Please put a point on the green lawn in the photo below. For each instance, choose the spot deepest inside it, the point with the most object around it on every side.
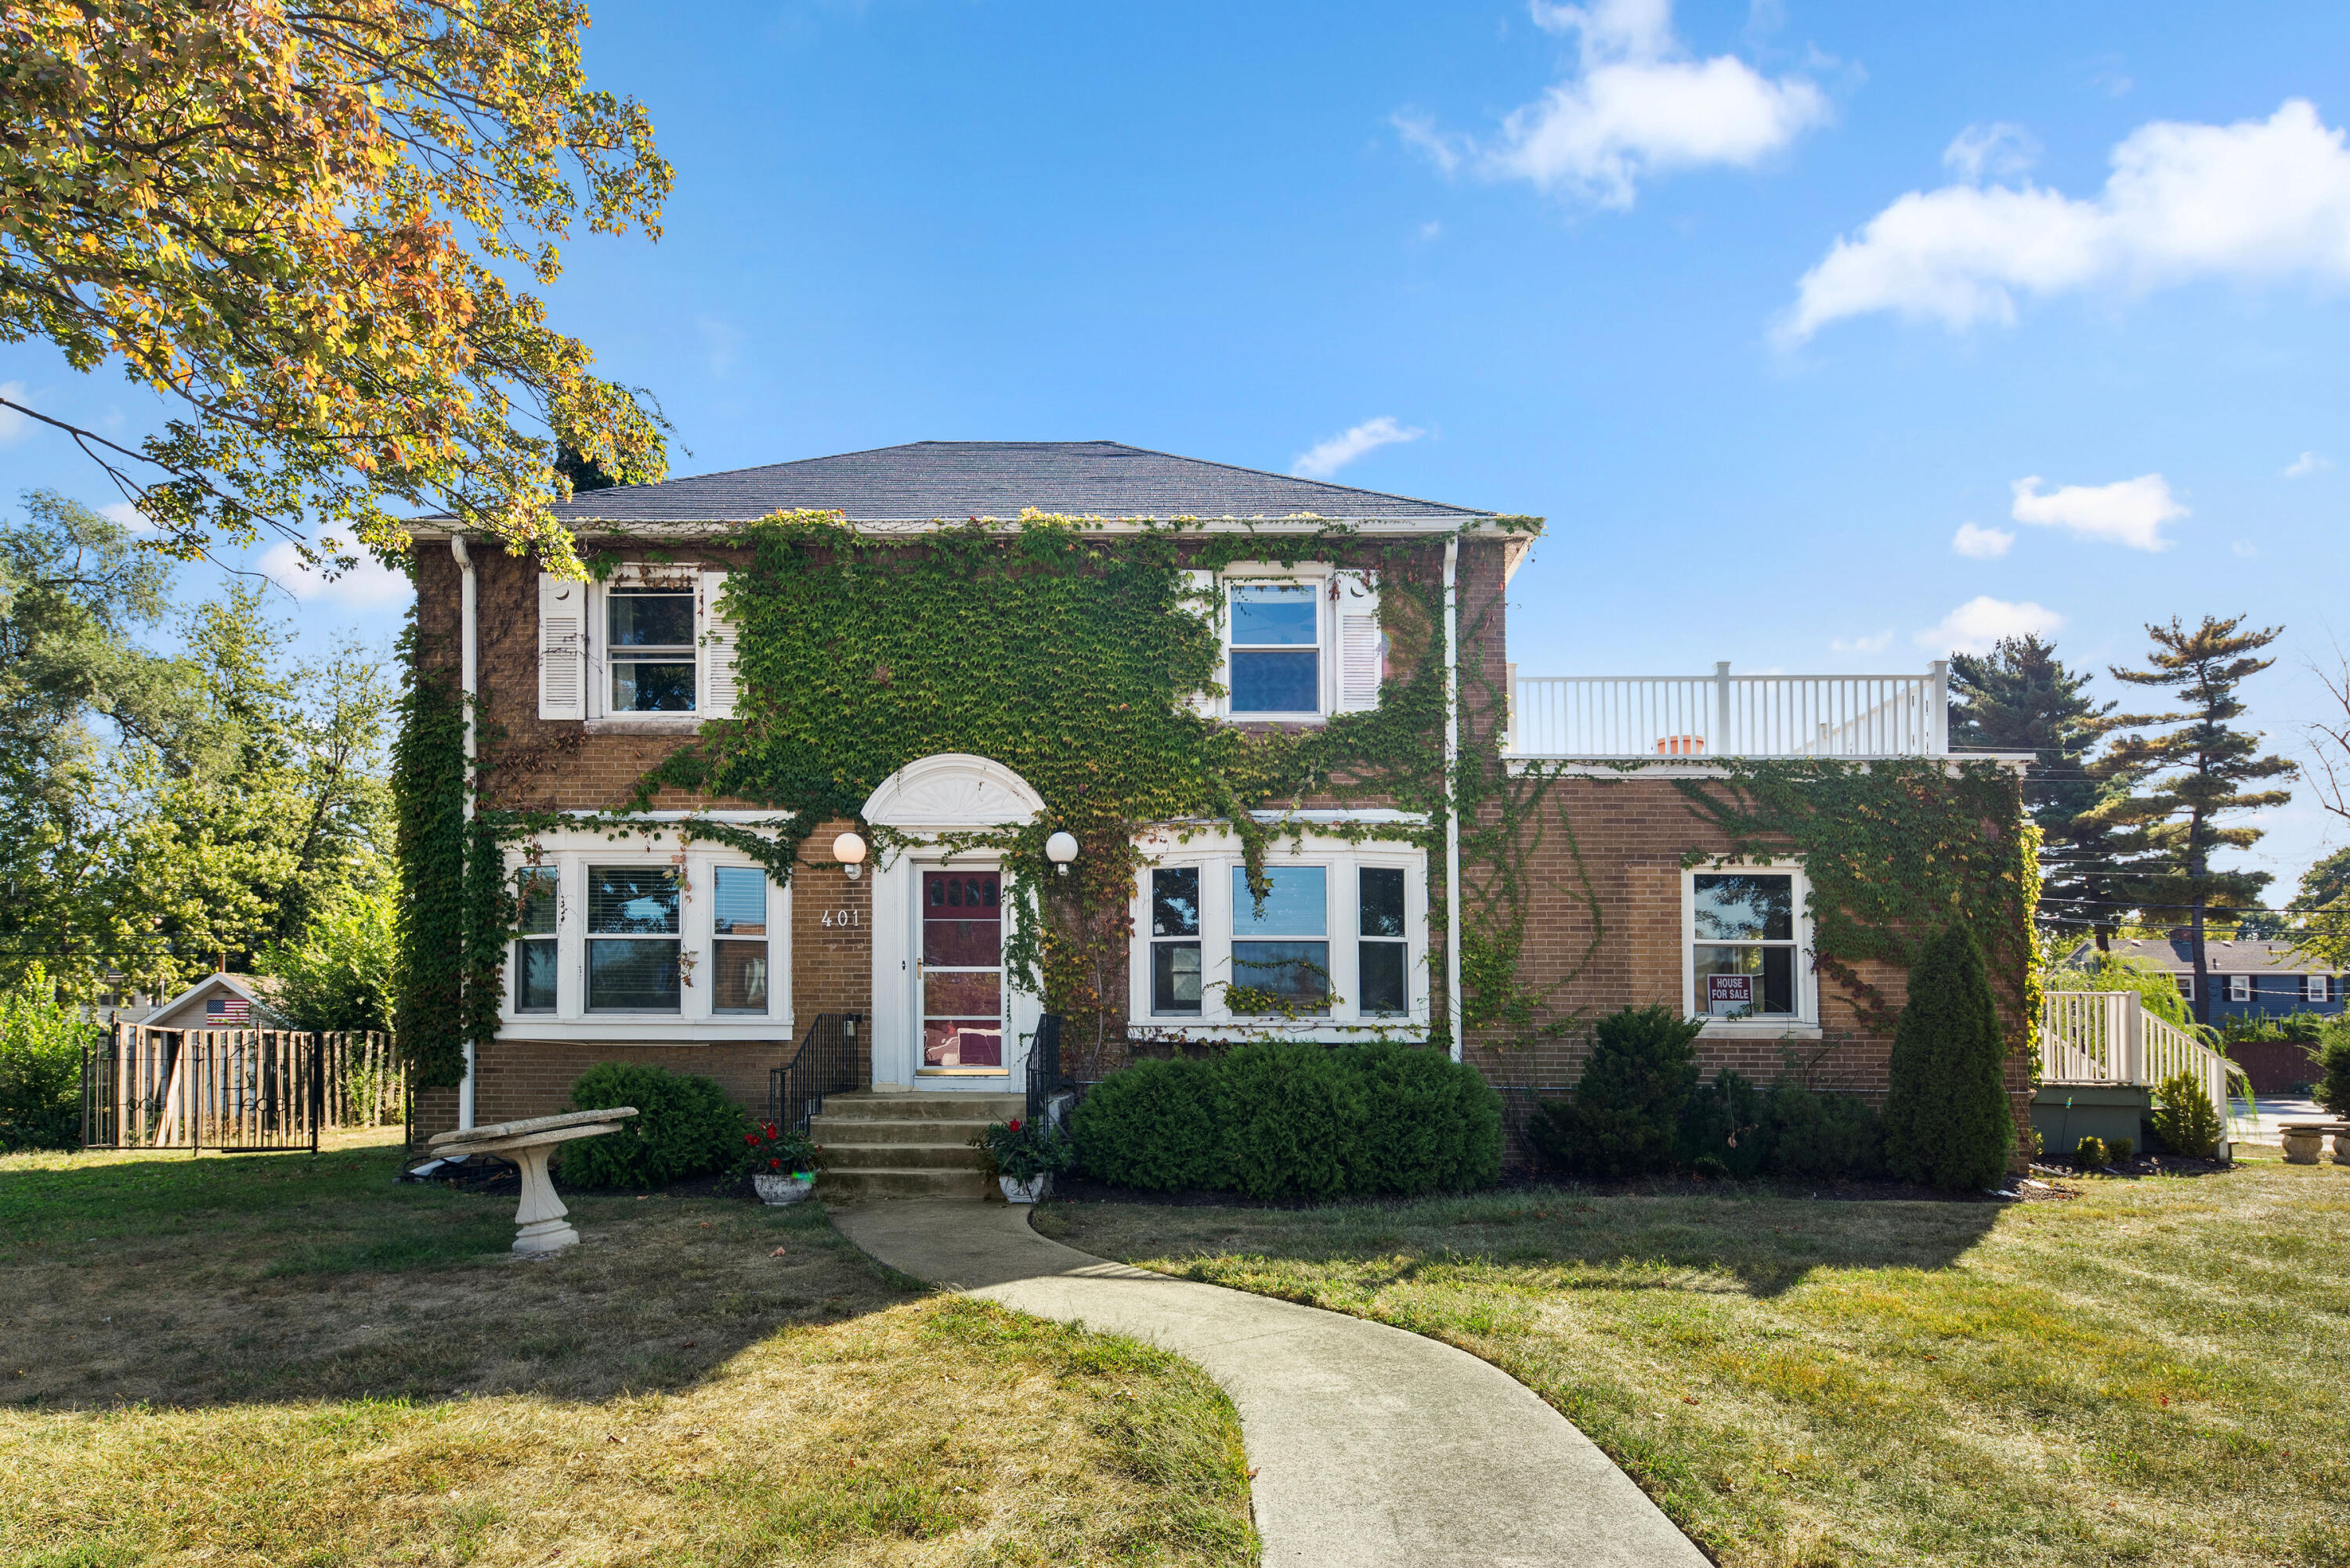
(282, 1359)
(2155, 1372)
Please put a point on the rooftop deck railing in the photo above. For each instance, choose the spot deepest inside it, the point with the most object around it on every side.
(1604, 717)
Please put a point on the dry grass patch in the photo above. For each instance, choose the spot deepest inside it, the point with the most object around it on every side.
(2156, 1371)
(296, 1361)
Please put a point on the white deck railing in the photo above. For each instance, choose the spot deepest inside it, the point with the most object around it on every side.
(2109, 1037)
(1576, 717)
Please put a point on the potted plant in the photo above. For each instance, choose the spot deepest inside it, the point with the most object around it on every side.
(781, 1164)
(1026, 1157)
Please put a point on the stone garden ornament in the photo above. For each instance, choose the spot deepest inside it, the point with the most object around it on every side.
(539, 1218)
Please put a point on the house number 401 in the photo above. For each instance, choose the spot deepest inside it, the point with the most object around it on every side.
(840, 916)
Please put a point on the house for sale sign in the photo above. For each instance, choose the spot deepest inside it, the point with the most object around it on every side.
(1726, 994)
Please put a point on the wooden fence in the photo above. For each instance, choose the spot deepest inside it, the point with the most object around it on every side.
(235, 1088)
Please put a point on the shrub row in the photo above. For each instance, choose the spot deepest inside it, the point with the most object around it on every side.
(1295, 1120)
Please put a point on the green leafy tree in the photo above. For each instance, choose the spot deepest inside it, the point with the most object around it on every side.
(339, 973)
(2194, 776)
(304, 226)
(42, 1037)
(1947, 1117)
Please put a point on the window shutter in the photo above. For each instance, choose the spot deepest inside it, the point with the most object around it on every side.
(717, 684)
(1362, 646)
(562, 648)
(1199, 594)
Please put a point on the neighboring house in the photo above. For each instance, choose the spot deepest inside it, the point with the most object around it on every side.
(219, 1001)
(2248, 979)
(647, 929)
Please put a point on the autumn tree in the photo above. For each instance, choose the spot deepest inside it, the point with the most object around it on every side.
(2194, 775)
(303, 227)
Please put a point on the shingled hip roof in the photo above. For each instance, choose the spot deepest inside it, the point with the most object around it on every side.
(924, 481)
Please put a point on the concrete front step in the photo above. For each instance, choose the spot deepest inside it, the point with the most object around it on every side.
(831, 1131)
(866, 1106)
(850, 1186)
(899, 1156)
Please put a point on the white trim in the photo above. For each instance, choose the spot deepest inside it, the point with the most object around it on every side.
(1806, 1021)
(953, 790)
(679, 577)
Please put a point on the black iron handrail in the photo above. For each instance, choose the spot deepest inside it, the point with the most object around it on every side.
(828, 1062)
(1045, 1077)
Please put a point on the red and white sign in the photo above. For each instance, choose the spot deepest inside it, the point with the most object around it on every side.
(1729, 993)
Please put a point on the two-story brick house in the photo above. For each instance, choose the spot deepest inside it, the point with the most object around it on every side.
(1344, 653)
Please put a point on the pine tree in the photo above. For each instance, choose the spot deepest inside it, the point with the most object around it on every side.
(1946, 1119)
(2199, 772)
(2020, 698)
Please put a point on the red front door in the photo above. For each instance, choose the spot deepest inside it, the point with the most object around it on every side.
(962, 970)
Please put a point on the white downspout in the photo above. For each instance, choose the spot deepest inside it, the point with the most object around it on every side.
(468, 681)
(1452, 794)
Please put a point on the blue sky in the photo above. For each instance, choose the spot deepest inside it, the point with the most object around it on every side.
(1759, 305)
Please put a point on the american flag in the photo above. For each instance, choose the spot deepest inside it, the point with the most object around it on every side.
(228, 1010)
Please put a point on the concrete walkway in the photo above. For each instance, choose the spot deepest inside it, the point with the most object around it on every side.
(1371, 1446)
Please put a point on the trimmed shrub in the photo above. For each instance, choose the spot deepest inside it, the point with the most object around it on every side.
(1823, 1137)
(2090, 1154)
(1423, 1122)
(685, 1126)
(41, 1043)
(2121, 1150)
(1152, 1125)
(1287, 1113)
(2332, 1054)
(1727, 1122)
(1947, 1120)
(2183, 1117)
(1626, 1111)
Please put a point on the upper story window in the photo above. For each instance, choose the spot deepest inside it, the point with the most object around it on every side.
(1276, 649)
(1300, 643)
(650, 644)
(1746, 934)
(651, 650)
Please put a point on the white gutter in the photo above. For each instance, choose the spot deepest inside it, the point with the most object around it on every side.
(468, 680)
(1452, 793)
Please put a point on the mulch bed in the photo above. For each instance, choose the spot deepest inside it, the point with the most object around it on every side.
(486, 1173)
(2041, 1187)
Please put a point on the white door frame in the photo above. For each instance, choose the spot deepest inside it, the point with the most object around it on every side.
(950, 792)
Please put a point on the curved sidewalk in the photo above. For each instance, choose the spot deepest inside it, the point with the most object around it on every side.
(1371, 1446)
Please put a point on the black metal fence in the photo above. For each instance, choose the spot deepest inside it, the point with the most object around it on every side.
(234, 1089)
(830, 1061)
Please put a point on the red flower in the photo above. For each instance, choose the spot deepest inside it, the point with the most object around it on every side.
(1012, 1125)
(751, 1139)
(774, 1165)
(771, 1129)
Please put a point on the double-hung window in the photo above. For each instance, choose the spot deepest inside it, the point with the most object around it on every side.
(738, 939)
(650, 649)
(1175, 939)
(1276, 649)
(634, 952)
(2239, 988)
(1383, 958)
(536, 953)
(1745, 945)
(652, 645)
(2313, 988)
(1280, 943)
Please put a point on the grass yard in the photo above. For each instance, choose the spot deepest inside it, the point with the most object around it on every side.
(2157, 1371)
(282, 1359)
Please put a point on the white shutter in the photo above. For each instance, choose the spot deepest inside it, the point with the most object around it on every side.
(562, 648)
(1362, 646)
(1201, 590)
(714, 678)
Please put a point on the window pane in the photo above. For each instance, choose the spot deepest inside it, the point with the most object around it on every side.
(1745, 907)
(1383, 972)
(1278, 613)
(1381, 890)
(651, 620)
(632, 900)
(955, 1042)
(638, 976)
(1276, 682)
(536, 902)
(644, 688)
(1769, 975)
(962, 995)
(1298, 905)
(739, 977)
(1175, 977)
(1292, 972)
(739, 906)
(1175, 902)
(535, 977)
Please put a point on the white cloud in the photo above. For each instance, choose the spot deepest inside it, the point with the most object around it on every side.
(1326, 458)
(1982, 543)
(1877, 644)
(2128, 512)
(12, 424)
(129, 516)
(1638, 106)
(2256, 200)
(2307, 464)
(366, 586)
(1998, 150)
(1983, 620)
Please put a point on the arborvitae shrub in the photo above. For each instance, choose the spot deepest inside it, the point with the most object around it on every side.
(2333, 1055)
(1423, 1122)
(1727, 1122)
(685, 1126)
(1287, 1113)
(1152, 1125)
(1626, 1110)
(1946, 1119)
(1823, 1137)
(2183, 1117)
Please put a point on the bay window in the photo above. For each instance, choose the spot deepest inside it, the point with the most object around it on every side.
(738, 951)
(537, 948)
(633, 952)
(1175, 965)
(1281, 948)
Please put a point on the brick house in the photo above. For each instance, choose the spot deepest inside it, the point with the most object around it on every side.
(669, 945)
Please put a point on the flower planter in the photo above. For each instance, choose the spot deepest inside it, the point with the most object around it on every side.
(1029, 1191)
(775, 1187)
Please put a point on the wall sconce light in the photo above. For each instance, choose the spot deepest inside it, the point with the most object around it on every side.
(849, 850)
(1060, 850)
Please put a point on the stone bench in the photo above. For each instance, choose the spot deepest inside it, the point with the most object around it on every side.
(539, 1218)
(2302, 1140)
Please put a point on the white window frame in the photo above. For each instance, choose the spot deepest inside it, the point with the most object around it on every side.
(569, 853)
(1315, 576)
(1805, 1023)
(1215, 855)
(2239, 988)
(2313, 988)
(2185, 981)
(684, 577)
